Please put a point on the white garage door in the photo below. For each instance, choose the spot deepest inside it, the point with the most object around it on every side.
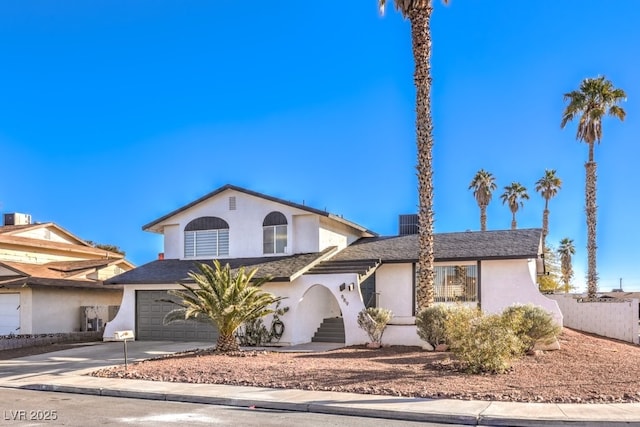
(9, 314)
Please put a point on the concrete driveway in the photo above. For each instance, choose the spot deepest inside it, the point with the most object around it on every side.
(86, 358)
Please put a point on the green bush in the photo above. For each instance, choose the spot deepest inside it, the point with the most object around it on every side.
(430, 324)
(531, 324)
(483, 343)
(373, 321)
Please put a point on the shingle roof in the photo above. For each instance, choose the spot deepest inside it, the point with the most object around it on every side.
(360, 257)
(149, 226)
(469, 245)
(169, 271)
(85, 264)
(42, 282)
(11, 228)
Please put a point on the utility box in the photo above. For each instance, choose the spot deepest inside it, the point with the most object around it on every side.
(17, 219)
(93, 318)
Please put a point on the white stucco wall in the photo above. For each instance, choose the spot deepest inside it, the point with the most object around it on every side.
(305, 232)
(313, 297)
(507, 282)
(173, 241)
(614, 319)
(306, 238)
(58, 310)
(125, 320)
(394, 284)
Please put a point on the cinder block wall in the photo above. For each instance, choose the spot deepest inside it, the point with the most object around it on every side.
(614, 319)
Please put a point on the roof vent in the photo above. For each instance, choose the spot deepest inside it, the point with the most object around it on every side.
(408, 224)
(232, 203)
(17, 219)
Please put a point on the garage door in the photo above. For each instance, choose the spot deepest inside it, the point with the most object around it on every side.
(150, 312)
(9, 314)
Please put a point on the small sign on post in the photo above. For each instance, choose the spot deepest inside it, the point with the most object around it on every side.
(124, 336)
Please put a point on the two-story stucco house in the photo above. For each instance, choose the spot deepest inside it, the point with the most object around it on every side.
(52, 281)
(326, 266)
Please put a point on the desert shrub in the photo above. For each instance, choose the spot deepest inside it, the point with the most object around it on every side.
(373, 321)
(482, 343)
(531, 324)
(430, 324)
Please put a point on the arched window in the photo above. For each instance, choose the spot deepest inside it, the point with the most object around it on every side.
(207, 236)
(274, 233)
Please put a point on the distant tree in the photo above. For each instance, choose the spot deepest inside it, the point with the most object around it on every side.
(595, 98)
(224, 299)
(513, 196)
(548, 187)
(552, 280)
(106, 247)
(483, 185)
(566, 250)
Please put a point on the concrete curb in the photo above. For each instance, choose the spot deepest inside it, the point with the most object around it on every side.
(334, 408)
(319, 408)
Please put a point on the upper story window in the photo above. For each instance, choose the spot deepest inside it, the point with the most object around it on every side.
(274, 233)
(207, 236)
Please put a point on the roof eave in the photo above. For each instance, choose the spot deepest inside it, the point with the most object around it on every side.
(155, 227)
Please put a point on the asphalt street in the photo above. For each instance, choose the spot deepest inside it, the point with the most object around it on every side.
(38, 408)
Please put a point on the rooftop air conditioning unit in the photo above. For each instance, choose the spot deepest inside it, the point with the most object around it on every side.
(17, 219)
(408, 224)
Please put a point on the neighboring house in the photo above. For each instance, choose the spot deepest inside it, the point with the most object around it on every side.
(326, 266)
(52, 281)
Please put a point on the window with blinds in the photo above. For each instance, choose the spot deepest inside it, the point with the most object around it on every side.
(206, 237)
(456, 283)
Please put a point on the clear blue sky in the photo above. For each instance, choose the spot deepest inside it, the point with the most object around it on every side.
(115, 112)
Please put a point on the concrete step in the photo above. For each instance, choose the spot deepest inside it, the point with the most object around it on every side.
(330, 330)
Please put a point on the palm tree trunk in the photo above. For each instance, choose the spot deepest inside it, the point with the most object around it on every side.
(483, 218)
(545, 226)
(514, 224)
(227, 344)
(419, 17)
(591, 208)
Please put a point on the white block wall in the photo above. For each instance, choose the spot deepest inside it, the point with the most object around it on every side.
(616, 319)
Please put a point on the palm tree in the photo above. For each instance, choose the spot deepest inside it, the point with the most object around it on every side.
(548, 187)
(565, 250)
(595, 98)
(483, 184)
(419, 14)
(224, 299)
(514, 195)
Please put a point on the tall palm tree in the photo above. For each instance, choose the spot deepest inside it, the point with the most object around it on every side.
(483, 184)
(595, 98)
(548, 187)
(514, 195)
(565, 250)
(419, 14)
(223, 298)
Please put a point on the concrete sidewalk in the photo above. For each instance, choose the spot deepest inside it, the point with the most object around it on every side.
(72, 377)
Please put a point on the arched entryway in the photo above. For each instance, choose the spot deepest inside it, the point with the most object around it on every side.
(319, 308)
